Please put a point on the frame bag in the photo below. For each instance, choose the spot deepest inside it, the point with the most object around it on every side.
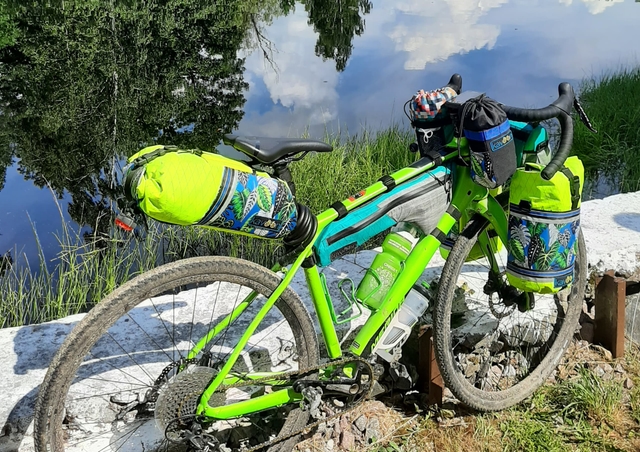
(544, 222)
(420, 201)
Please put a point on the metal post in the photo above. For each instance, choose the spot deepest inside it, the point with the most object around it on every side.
(610, 313)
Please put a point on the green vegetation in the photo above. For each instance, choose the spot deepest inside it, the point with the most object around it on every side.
(612, 102)
(577, 411)
(85, 84)
(90, 266)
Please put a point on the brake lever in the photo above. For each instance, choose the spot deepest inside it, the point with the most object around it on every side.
(583, 116)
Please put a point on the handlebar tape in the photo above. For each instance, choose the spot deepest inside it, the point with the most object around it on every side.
(560, 109)
(455, 82)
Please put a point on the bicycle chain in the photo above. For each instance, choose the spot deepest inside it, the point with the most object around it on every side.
(339, 413)
(287, 376)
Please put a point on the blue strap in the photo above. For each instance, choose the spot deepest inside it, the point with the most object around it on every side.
(488, 134)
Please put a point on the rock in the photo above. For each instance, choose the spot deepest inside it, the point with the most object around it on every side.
(495, 373)
(619, 369)
(628, 383)
(338, 403)
(361, 423)
(587, 331)
(336, 425)
(329, 445)
(606, 354)
(345, 423)
(607, 368)
(471, 369)
(372, 433)
(599, 371)
(348, 441)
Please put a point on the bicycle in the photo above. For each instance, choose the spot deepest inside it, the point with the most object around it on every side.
(243, 370)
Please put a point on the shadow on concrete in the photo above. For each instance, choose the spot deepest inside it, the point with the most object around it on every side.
(136, 341)
(629, 220)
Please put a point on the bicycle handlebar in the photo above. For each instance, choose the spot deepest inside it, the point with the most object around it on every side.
(560, 109)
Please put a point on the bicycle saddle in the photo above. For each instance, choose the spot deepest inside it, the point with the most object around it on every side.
(270, 150)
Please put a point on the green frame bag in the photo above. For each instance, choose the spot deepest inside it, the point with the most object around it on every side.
(544, 222)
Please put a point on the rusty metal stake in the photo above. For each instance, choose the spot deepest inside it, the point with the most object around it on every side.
(610, 313)
(430, 378)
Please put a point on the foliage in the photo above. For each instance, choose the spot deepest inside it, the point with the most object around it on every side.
(83, 273)
(612, 102)
(587, 395)
(337, 22)
(87, 84)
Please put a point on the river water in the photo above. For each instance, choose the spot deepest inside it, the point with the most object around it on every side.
(85, 86)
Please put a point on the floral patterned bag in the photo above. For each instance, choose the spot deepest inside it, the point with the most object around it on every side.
(192, 187)
(544, 222)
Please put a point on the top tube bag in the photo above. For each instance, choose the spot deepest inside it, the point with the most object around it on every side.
(544, 223)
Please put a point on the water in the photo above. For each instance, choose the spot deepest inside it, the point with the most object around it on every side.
(84, 87)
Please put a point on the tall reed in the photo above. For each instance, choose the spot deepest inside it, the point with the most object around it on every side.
(87, 268)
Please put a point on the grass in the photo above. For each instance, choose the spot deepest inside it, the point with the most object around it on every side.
(578, 412)
(82, 273)
(355, 163)
(587, 395)
(612, 102)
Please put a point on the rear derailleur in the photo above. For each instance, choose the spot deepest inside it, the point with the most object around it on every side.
(192, 434)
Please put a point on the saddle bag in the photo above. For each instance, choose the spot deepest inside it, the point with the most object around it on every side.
(544, 223)
(190, 187)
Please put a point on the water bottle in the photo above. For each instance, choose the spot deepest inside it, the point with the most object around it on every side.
(399, 329)
(383, 271)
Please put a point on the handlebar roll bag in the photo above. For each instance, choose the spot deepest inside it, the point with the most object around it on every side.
(492, 150)
(544, 222)
(192, 187)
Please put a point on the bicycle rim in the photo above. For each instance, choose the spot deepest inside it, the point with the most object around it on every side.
(115, 384)
(495, 351)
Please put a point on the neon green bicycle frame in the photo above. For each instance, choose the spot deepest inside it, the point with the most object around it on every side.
(468, 199)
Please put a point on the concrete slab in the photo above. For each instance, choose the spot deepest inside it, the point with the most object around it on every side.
(611, 228)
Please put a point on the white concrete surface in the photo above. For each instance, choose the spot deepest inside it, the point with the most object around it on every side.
(611, 227)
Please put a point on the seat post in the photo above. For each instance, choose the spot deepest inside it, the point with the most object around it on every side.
(281, 171)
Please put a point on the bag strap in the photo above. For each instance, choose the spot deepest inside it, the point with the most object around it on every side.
(574, 186)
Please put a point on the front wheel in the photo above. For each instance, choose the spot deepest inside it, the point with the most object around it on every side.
(494, 350)
(121, 382)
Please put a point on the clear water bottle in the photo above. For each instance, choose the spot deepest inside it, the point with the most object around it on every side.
(399, 329)
(384, 270)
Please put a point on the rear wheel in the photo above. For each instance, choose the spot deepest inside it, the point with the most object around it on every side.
(495, 348)
(121, 382)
